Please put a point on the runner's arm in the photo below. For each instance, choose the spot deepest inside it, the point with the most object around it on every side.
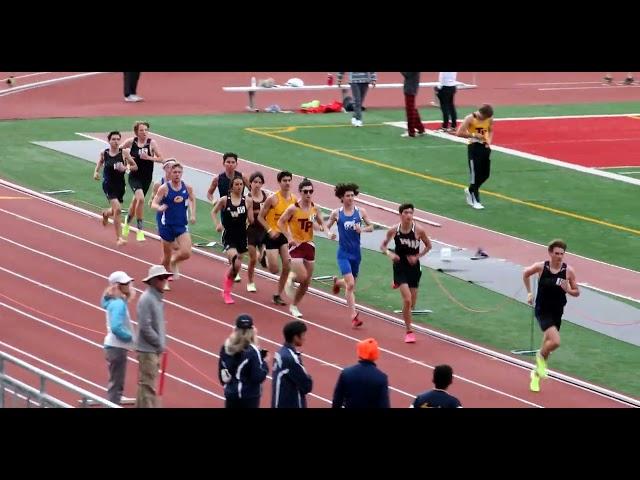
(212, 188)
(365, 218)
(131, 165)
(192, 204)
(422, 235)
(571, 284)
(159, 196)
(96, 172)
(283, 221)
(155, 151)
(531, 270)
(387, 238)
(220, 204)
(262, 216)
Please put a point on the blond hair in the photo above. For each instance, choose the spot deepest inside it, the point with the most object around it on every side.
(240, 339)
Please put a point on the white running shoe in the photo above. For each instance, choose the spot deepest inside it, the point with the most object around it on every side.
(251, 287)
(133, 98)
(294, 311)
(468, 197)
(478, 205)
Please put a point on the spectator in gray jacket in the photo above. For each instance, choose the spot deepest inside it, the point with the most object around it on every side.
(120, 336)
(359, 82)
(151, 335)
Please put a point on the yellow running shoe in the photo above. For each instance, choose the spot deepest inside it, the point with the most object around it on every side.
(125, 230)
(140, 236)
(541, 366)
(534, 386)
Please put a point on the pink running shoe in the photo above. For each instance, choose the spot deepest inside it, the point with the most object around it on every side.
(227, 298)
(410, 338)
(356, 322)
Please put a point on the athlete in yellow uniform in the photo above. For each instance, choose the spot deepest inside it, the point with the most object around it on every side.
(275, 241)
(297, 224)
(478, 128)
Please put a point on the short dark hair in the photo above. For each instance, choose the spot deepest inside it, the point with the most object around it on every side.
(293, 329)
(486, 110)
(442, 376)
(138, 123)
(405, 206)
(343, 188)
(305, 183)
(229, 155)
(284, 173)
(255, 175)
(557, 243)
(111, 134)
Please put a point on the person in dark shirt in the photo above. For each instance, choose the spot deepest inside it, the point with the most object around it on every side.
(363, 385)
(556, 280)
(438, 397)
(291, 382)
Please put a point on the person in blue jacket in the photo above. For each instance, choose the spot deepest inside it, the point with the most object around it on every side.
(120, 336)
(242, 366)
(291, 382)
(363, 385)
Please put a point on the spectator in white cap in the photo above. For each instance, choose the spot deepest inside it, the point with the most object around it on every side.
(120, 335)
(151, 334)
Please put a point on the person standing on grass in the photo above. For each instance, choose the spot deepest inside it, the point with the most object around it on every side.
(276, 242)
(411, 86)
(297, 223)
(116, 162)
(234, 237)
(438, 397)
(145, 153)
(172, 201)
(119, 339)
(256, 233)
(478, 128)
(151, 342)
(556, 279)
(359, 82)
(291, 382)
(350, 220)
(406, 262)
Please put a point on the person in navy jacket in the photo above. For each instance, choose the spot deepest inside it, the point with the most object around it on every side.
(242, 366)
(438, 397)
(363, 385)
(291, 382)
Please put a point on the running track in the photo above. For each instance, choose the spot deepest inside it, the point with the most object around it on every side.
(54, 267)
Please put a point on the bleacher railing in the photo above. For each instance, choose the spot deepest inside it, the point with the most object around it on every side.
(14, 391)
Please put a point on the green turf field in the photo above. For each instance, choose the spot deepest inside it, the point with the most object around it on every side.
(501, 323)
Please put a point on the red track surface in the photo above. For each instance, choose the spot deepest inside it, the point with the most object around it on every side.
(591, 142)
(198, 321)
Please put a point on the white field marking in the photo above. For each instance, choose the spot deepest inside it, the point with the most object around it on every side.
(623, 166)
(516, 362)
(556, 83)
(100, 346)
(531, 156)
(77, 299)
(630, 173)
(602, 290)
(408, 359)
(15, 77)
(44, 83)
(588, 88)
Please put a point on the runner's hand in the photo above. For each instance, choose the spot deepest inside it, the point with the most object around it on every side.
(395, 258)
(163, 207)
(412, 259)
(192, 220)
(273, 234)
(219, 227)
(332, 235)
(530, 298)
(96, 176)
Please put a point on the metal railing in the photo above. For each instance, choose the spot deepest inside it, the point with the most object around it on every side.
(39, 397)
